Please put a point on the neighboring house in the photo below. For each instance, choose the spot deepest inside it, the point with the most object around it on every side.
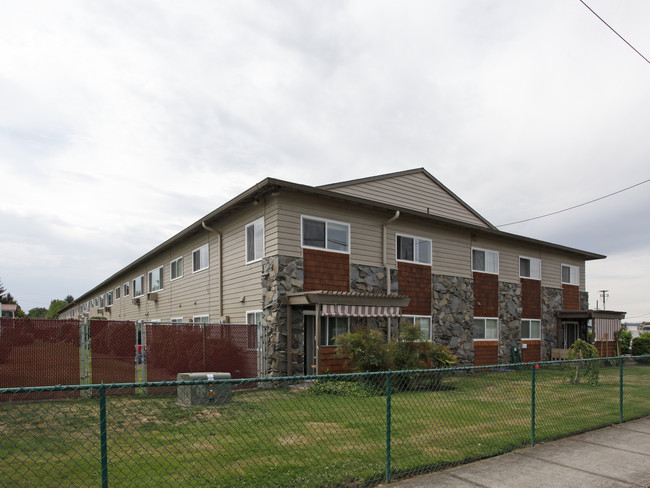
(331, 258)
(8, 310)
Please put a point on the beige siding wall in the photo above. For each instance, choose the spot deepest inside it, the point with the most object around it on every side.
(415, 191)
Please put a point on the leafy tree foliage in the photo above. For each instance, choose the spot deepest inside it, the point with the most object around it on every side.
(588, 371)
(55, 306)
(37, 313)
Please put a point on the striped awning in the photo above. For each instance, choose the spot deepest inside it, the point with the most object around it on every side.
(331, 310)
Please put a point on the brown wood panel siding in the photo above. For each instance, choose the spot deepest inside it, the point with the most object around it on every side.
(415, 281)
(329, 363)
(326, 270)
(486, 295)
(486, 353)
(531, 299)
(606, 348)
(533, 351)
(570, 297)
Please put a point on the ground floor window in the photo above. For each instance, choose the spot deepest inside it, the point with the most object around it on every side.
(531, 329)
(486, 328)
(201, 319)
(422, 321)
(331, 328)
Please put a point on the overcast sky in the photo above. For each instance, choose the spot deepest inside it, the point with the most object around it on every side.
(123, 122)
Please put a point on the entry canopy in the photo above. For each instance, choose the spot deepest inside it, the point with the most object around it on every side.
(351, 304)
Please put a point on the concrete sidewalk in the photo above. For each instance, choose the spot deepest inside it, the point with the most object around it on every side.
(616, 456)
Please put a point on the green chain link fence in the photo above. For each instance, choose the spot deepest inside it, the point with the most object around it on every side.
(327, 431)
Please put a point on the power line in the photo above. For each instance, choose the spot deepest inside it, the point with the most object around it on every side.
(575, 206)
(612, 29)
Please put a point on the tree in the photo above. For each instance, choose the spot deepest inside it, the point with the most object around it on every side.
(37, 313)
(55, 306)
(7, 298)
(69, 299)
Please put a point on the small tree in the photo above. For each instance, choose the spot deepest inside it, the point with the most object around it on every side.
(641, 346)
(590, 369)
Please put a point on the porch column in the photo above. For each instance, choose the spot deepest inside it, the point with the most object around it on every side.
(318, 307)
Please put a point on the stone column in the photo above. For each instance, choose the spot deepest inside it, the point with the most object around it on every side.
(551, 303)
(510, 310)
(453, 315)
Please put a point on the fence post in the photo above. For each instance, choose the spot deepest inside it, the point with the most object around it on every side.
(620, 394)
(388, 426)
(532, 406)
(102, 435)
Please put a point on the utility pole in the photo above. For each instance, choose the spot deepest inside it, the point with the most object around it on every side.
(605, 295)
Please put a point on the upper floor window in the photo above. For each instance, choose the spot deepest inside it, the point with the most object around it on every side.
(530, 268)
(200, 258)
(325, 234)
(101, 301)
(126, 289)
(155, 279)
(117, 293)
(413, 249)
(138, 286)
(570, 274)
(485, 261)
(176, 269)
(109, 298)
(486, 328)
(255, 240)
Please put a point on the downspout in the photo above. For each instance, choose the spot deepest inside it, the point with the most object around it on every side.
(385, 259)
(220, 266)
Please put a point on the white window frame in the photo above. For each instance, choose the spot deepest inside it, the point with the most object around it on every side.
(127, 289)
(416, 241)
(102, 300)
(325, 329)
(258, 242)
(118, 293)
(530, 323)
(150, 279)
(574, 274)
(198, 319)
(109, 298)
(485, 319)
(535, 265)
(486, 252)
(254, 315)
(135, 289)
(176, 320)
(327, 223)
(173, 267)
(413, 318)
(204, 252)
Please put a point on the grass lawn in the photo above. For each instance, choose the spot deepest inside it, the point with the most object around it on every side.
(291, 437)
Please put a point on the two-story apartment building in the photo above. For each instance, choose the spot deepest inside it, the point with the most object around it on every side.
(308, 263)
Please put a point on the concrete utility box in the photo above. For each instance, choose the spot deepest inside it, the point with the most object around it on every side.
(204, 393)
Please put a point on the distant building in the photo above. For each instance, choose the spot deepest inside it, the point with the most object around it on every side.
(372, 251)
(8, 310)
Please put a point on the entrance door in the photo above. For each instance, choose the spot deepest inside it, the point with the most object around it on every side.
(309, 322)
(571, 334)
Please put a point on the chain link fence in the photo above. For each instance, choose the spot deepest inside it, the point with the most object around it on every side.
(353, 430)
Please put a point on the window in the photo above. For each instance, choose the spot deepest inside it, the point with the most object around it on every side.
(126, 289)
(101, 301)
(200, 258)
(331, 328)
(325, 234)
(413, 249)
(138, 286)
(485, 261)
(117, 293)
(486, 329)
(176, 320)
(155, 279)
(423, 322)
(531, 329)
(176, 269)
(109, 298)
(530, 268)
(570, 274)
(201, 319)
(254, 320)
(255, 240)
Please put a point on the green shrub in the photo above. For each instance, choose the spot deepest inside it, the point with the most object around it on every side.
(587, 371)
(641, 346)
(624, 339)
(344, 388)
(364, 349)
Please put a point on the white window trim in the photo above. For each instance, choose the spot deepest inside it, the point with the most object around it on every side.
(415, 238)
(126, 288)
(539, 261)
(172, 265)
(194, 317)
(141, 277)
(430, 339)
(488, 318)
(540, 330)
(207, 246)
(176, 320)
(485, 251)
(324, 324)
(150, 281)
(254, 224)
(326, 221)
(109, 298)
(118, 293)
(577, 275)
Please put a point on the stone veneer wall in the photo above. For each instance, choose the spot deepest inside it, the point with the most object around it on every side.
(551, 303)
(584, 300)
(453, 315)
(282, 275)
(510, 310)
(372, 279)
